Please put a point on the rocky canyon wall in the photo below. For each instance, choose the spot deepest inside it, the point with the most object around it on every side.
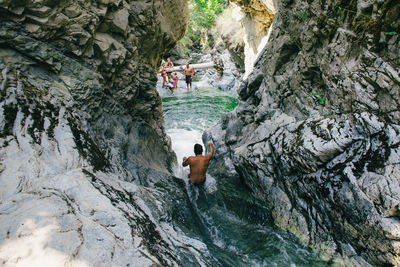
(256, 19)
(316, 134)
(85, 164)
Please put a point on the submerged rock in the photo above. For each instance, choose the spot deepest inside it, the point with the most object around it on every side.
(316, 132)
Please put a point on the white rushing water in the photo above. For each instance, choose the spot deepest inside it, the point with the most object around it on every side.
(189, 113)
(232, 240)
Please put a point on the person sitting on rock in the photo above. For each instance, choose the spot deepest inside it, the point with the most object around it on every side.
(171, 86)
(198, 164)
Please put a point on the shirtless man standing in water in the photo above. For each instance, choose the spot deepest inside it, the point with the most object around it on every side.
(189, 71)
(198, 164)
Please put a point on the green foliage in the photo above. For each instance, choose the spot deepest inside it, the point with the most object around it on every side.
(319, 98)
(202, 19)
(205, 11)
(203, 15)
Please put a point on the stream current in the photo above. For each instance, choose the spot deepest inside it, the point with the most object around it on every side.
(232, 240)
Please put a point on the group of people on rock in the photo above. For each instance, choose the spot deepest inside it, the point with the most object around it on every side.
(170, 80)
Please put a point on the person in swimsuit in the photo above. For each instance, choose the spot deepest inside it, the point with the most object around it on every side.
(189, 71)
(198, 164)
(163, 75)
(175, 79)
(169, 64)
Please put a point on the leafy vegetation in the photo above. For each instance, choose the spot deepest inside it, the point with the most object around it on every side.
(319, 98)
(203, 14)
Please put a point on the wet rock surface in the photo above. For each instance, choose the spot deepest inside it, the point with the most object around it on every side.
(228, 79)
(84, 158)
(316, 133)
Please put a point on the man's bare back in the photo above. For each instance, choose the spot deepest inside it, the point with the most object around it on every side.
(198, 164)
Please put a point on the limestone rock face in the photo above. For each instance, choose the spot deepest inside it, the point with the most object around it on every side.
(316, 133)
(84, 158)
(121, 41)
(231, 31)
(119, 44)
(257, 17)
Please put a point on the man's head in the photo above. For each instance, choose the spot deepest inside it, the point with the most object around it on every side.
(198, 149)
(187, 65)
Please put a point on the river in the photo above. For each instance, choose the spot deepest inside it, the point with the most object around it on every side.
(232, 241)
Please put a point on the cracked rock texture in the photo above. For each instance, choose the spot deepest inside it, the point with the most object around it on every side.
(256, 18)
(316, 134)
(85, 164)
(231, 75)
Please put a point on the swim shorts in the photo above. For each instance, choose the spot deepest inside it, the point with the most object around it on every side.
(188, 79)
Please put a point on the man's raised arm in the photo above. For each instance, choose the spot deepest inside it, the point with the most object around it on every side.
(210, 146)
(185, 161)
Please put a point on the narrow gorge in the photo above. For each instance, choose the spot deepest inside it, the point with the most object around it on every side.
(306, 165)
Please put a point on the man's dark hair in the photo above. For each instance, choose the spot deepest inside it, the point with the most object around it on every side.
(198, 149)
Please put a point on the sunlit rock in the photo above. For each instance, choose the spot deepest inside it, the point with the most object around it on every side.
(84, 156)
(256, 18)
